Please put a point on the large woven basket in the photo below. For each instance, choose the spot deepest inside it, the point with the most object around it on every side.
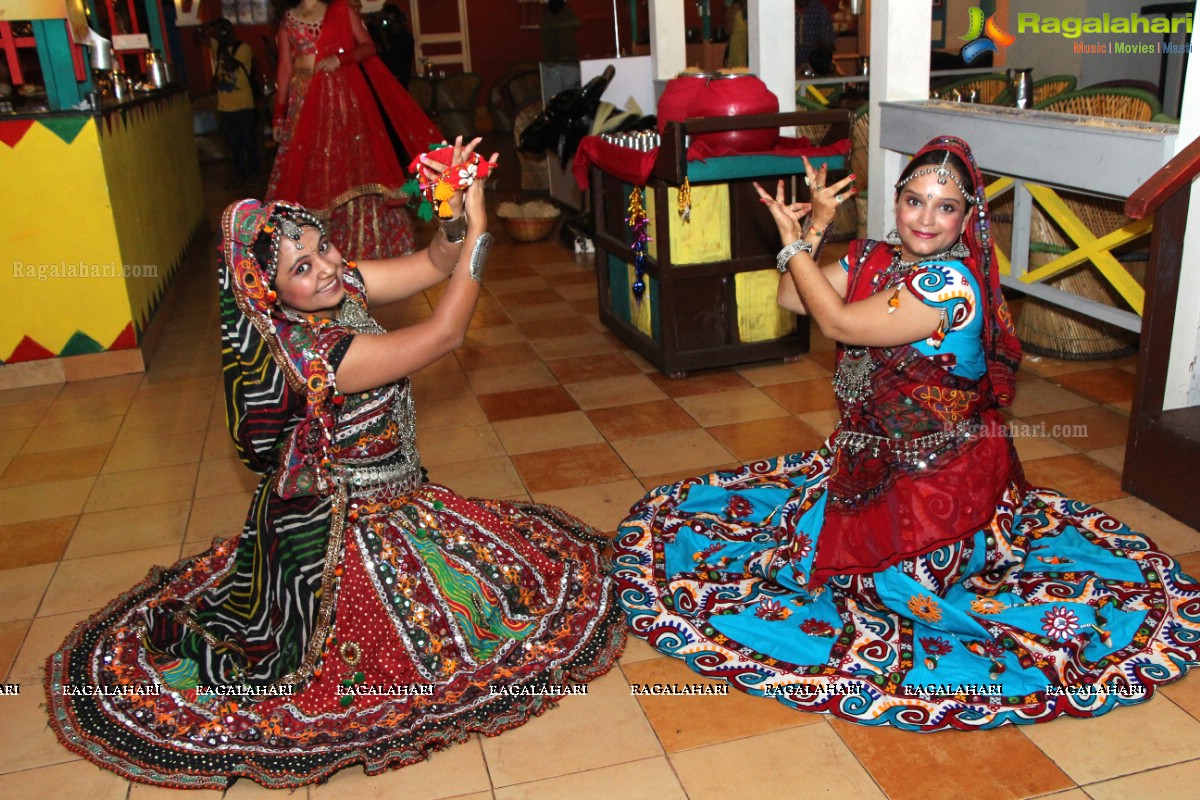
(529, 229)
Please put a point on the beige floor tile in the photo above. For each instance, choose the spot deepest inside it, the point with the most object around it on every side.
(116, 384)
(1112, 457)
(45, 636)
(579, 732)
(527, 375)
(797, 763)
(566, 346)
(1048, 365)
(1032, 444)
(649, 779)
(462, 443)
(142, 791)
(67, 410)
(952, 763)
(21, 415)
(1127, 740)
(54, 465)
(621, 390)
(1041, 397)
(11, 441)
(1185, 693)
(217, 443)
(1176, 782)
(601, 505)
(687, 721)
(43, 393)
(182, 419)
(143, 487)
(12, 635)
(133, 454)
(803, 397)
(103, 532)
(637, 650)
(488, 477)
(681, 450)
(27, 742)
(428, 388)
(1169, 534)
(448, 414)
(724, 408)
(86, 583)
(553, 310)
(460, 769)
(72, 434)
(220, 516)
(40, 541)
(823, 422)
(224, 476)
(44, 500)
(768, 374)
(548, 432)
(494, 335)
(570, 467)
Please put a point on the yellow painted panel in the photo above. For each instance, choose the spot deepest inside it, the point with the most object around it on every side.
(705, 237)
(640, 311)
(759, 316)
(57, 220)
(153, 177)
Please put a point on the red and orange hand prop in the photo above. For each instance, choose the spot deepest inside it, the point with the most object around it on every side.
(437, 189)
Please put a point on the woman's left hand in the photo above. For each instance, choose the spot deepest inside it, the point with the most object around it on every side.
(327, 64)
(788, 216)
(432, 168)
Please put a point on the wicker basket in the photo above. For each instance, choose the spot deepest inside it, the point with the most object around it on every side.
(529, 229)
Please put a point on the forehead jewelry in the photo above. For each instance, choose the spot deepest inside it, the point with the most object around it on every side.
(943, 173)
(292, 231)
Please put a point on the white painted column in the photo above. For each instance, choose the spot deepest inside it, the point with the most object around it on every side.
(900, 35)
(668, 44)
(772, 29)
(1183, 382)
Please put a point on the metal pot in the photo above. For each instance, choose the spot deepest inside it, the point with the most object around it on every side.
(122, 87)
(156, 70)
(100, 49)
(1021, 81)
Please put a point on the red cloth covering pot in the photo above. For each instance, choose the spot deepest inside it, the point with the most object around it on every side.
(735, 96)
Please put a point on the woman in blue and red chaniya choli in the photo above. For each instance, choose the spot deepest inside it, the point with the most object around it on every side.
(363, 615)
(905, 573)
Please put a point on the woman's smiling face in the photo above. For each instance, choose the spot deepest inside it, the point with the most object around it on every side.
(930, 216)
(309, 276)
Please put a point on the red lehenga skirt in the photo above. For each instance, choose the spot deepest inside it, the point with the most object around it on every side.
(338, 160)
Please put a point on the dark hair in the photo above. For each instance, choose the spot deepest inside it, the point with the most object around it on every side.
(935, 158)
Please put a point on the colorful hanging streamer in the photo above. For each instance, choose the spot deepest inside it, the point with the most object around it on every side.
(637, 226)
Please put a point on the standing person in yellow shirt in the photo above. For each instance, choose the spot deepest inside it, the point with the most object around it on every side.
(233, 63)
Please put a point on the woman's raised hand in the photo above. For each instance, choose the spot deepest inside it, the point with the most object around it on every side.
(432, 168)
(474, 194)
(787, 215)
(826, 199)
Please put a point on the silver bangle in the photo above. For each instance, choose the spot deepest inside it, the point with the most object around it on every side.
(785, 255)
(479, 255)
(455, 229)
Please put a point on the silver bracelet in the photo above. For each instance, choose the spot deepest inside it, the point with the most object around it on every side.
(455, 229)
(479, 255)
(785, 255)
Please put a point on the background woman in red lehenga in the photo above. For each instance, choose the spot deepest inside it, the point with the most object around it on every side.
(340, 117)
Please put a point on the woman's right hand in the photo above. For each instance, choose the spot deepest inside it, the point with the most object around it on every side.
(826, 199)
(277, 133)
(474, 201)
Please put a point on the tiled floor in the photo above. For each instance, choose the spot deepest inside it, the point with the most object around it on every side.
(101, 480)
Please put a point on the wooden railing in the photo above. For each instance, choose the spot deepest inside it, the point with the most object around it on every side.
(1162, 455)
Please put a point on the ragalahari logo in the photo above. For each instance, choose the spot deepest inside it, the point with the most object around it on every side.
(993, 35)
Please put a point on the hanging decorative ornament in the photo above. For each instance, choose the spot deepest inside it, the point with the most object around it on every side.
(685, 201)
(637, 227)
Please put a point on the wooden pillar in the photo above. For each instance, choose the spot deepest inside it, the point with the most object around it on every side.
(772, 29)
(668, 45)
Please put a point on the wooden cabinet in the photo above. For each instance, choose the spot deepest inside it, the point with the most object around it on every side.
(710, 282)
